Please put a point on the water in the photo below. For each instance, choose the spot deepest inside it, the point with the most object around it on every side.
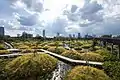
(60, 71)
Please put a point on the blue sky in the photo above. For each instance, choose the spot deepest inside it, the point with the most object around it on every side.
(63, 16)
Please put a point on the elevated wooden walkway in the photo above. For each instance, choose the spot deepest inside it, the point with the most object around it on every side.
(66, 59)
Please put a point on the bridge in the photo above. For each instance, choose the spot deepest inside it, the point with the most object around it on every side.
(111, 42)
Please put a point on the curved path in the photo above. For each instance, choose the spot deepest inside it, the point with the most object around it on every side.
(69, 60)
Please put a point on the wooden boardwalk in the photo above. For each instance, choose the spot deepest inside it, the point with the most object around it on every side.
(64, 59)
(72, 60)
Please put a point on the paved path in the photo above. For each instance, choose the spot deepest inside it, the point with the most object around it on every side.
(72, 60)
(15, 54)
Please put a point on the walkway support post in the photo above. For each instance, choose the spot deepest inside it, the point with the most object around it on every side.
(118, 52)
(112, 48)
(106, 44)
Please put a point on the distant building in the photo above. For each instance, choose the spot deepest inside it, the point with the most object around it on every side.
(26, 35)
(58, 34)
(2, 33)
(88, 36)
(73, 35)
(44, 34)
(79, 35)
(18, 35)
(70, 36)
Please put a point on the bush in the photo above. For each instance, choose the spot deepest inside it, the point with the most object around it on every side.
(92, 57)
(58, 50)
(51, 49)
(86, 73)
(57, 43)
(86, 46)
(106, 55)
(4, 52)
(36, 47)
(71, 54)
(1, 47)
(79, 43)
(112, 69)
(3, 63)
(23, 47)
(94, 48)
(46, 47)
(77, 48)
(30, 67)
(80, 51)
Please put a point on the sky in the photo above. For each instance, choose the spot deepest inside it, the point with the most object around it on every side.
(60, 16)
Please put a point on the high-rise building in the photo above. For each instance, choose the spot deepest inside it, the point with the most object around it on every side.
(70, 36)
(58, 34)
(79, 35)
(43, 33)
(18, 35)
(2, 31)
(73, 35)
(26, 35)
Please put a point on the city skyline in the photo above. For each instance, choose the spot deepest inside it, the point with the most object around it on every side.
(66, 17)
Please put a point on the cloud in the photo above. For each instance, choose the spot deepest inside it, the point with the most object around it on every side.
(33, 5)
(13, 25)
(92, 16)
(91, 7)
(73, 8)
(29, 20)
(57, 26)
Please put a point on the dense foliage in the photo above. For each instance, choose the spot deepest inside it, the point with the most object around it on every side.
(112, 69)
(30, 67)
(92, 57)
(71, 54)
(57, 50)
(1, 47)
(86, 73)
(106, 55)
(4, 52)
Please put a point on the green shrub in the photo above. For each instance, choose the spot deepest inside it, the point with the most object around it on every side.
(71, 54)
(112, 69)
(106, 54)
(79, 43)
(57, 43)
(92, 57)
(30, 67)
(51, 49)
(36, 47)
(1, 47)
(95, 48)
(45, 47)
(86, 73)
(3, 63)
(80, 51)
(77, 48)
(57, 50)
(60, 50)
(51, 44)
(23, 47)
(86, 46)
(4, 52)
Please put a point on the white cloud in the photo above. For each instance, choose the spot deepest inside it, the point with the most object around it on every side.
(65, 16)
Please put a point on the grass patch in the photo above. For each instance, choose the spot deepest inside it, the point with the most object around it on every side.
(30, 67)
(86, 73)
